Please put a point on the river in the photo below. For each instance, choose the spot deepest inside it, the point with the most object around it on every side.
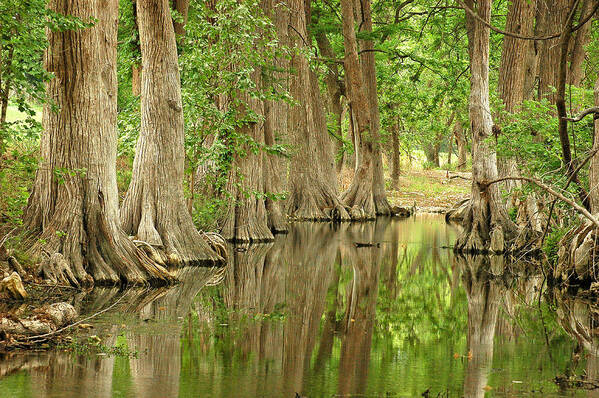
(378, 309)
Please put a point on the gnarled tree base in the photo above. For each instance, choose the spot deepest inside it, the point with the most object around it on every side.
(486, 230)
(578, 256)
(316, 204)
(79, 246)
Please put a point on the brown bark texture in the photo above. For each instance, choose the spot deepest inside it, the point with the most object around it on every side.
(275, 125)
(594, 168)
(512, 70)
(395, 154)
(312, 195)
(560, 102)
(460, 139)
(246, 220)
(359, 195)
(486, 220)
(552, 15)
(335, 91)
(512, 73)
(154, 209)
(73, 207)
(369, 73)
(575, 72)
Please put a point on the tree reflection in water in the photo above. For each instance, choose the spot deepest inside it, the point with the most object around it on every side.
(315, 314)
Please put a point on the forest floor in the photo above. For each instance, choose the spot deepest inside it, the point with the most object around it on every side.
(431, 190)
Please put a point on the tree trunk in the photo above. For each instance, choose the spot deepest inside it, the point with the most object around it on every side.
(246, 219)
(449, 150)
(74, 202)
(182, 7)
(334, 90)
(154, 208)
(395, 155)
(5, 91)
(312, 197)
(432, 154)
(560, 102)
(136, 80)
(369, 75)
(512, 74)
(594, 168)
(359, 196)
(487, 217)
(512, 71)
(460, 139)
(275, 128)
(552, 14)
(578, 51)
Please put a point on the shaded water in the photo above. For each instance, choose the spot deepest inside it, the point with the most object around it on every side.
(314, 314)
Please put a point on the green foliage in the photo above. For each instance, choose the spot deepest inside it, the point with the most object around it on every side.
(551, 244)
(16, 178)
(93, 346)
(22, 45)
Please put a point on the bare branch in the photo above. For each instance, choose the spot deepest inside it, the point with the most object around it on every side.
(522, 37)
(548, 189)
(583, 114)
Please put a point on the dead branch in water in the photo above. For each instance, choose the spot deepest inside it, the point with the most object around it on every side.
(485, 184)
(45, 336)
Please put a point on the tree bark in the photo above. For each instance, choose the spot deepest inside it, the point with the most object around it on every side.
(460, 139)
(487, 215)
(594, 168)
(73, 207)
(552, 15)
(360, 195)
(575, 72)
(369, 74)
(512, 71)
(154, 208)
(275, 127)
(395, 154)
(246, 219)
(182, 7)
(312, 197)
(560, 102)
(335, 91)
(5, 91)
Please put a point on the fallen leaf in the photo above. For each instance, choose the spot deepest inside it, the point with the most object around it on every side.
(469, 355)
(85, 326)
(487, 388)
(456, 355)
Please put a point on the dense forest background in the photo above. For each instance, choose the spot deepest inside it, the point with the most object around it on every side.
(154, 119)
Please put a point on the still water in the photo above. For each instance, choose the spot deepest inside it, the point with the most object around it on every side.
(316, 315)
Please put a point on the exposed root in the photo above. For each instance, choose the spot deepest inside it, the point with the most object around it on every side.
(216, 243)
(360, 199)
(46, 320)
(578, 256)
(56, 270)
(316, 205)
(459, 211)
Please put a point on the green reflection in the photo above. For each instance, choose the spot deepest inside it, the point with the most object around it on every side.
(313, 313)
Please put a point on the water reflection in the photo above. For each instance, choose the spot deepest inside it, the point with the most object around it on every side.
(368, 309)
(580, 318)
